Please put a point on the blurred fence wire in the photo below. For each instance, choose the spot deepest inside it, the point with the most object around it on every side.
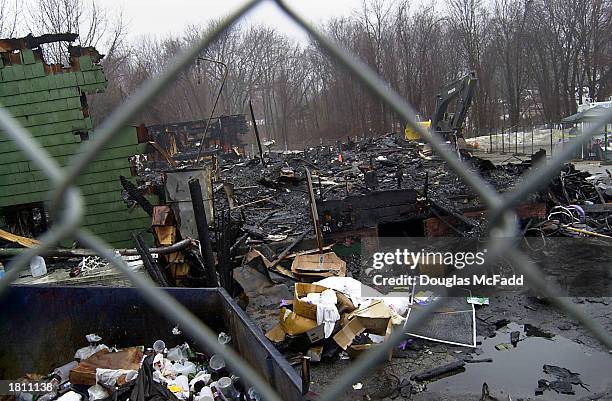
(67, 203)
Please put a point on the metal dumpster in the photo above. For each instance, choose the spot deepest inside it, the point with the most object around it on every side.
(41, 327)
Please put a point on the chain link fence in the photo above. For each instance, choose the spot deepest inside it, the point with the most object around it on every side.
(525, 140)
(67, 205)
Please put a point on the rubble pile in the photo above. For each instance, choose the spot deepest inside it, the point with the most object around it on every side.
(277, 197)
(336, 308)
(578, 205)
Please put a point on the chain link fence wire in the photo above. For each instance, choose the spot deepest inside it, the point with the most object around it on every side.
(67, 204)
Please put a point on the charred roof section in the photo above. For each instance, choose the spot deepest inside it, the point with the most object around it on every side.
(29, 50)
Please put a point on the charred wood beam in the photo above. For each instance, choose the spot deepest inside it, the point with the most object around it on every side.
(448, 211)
(432, 373)
(198, 268)
(238, 242)
(224, 251)
(32, 42)
(443, 220)
(284, 253)
(136, 195)
(203, 233)
(148, 262)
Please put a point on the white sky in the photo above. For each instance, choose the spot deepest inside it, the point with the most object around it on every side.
(159, 17)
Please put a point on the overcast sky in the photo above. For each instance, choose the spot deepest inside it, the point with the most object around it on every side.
(159, 17)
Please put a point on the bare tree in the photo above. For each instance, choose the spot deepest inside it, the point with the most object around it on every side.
(9, 13)
(537, 58)
(93, 23)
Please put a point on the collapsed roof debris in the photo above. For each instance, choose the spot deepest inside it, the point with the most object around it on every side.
(50, 100)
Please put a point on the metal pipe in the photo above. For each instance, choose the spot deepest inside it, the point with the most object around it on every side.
(551, 139)
(58, 252)
(212, 112)
(256, 134)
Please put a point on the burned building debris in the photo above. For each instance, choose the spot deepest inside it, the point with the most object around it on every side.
(50, 100)
(279, 235)
(224, 132)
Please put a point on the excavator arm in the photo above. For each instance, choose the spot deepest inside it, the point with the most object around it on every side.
(462, 90)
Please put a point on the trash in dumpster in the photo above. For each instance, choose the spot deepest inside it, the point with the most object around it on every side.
(92, 348)
(71, 396)
(159, 373)
(85, 372)
(97, 392)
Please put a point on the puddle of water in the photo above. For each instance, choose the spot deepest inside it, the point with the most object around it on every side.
(516, 371)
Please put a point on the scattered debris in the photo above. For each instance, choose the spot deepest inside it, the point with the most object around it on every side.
(439, 371)
(564, 380)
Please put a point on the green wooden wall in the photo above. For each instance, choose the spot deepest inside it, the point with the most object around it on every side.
(49, 106)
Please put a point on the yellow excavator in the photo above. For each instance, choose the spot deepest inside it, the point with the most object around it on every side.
(449, 125)
(412, 135)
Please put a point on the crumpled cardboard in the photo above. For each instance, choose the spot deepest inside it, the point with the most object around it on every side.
(85, 372)
(290, 323)
(375, 318)
(276, 334)
(294, 324)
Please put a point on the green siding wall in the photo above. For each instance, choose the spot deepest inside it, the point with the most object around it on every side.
(49, 106)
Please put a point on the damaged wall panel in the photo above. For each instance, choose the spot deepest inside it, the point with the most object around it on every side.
(50, 101)
(367, 211)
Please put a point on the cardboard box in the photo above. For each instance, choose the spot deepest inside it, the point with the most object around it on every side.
(308, 310)
(375, 317)
(319, 265)
(347, 334)
(317, 334)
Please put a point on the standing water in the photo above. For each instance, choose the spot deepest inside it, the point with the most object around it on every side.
(516, 370)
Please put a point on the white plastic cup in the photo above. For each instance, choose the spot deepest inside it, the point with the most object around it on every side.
(206, 394)
(226, 386)
(216, 363)
(38, 267)
(253, 394)
(159, 346)
(224, 339)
